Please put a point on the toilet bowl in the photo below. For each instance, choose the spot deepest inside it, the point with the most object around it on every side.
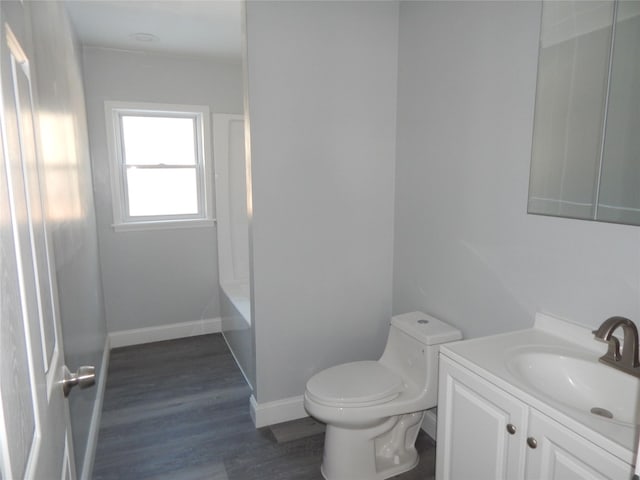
(374, 409)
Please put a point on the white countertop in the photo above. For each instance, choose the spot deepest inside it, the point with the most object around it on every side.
(488, 357)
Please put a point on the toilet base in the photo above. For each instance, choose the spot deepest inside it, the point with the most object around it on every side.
(391, 471)
(375, 453)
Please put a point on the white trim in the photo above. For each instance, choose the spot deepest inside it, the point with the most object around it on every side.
(137, 336)
(66, 474)
(430, 422)
(94, 427)
(203, 166)
(637, 469)
(163, 225)
(278, 411)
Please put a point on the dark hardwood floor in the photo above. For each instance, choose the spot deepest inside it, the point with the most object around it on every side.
(179, 410)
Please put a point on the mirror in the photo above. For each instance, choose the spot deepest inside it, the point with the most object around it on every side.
(586, 145)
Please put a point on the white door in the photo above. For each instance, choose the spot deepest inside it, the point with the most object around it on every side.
(560, 454)
(637, 475)
(481, 428)
(35, 437)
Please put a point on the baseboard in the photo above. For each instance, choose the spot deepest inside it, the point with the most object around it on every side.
(430, 422)
(94, 427)
(137, 336)
(278, 411)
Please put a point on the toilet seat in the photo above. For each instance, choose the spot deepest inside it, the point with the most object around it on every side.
(356, 384)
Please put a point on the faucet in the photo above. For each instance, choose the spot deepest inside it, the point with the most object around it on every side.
(627, 361)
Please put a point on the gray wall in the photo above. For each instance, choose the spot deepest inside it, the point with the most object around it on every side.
(70, 210)
(465, 249)
(157, 277)
(322, 104)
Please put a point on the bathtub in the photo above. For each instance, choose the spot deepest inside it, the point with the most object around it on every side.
(238, 294)
(233, 240)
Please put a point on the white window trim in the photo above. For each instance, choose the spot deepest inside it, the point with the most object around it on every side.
(121, 222)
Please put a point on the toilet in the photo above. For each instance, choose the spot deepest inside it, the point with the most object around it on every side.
(374, 409)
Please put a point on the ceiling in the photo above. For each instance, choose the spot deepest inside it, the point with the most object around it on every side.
(209, 28)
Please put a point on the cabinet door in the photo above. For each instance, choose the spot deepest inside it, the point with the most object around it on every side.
(563, 455)
(481, 428)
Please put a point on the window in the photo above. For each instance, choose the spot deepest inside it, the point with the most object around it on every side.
(160, 172)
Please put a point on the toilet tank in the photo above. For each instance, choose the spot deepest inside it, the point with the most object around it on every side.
(413, 345)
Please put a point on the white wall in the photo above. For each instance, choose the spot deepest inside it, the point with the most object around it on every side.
(322, 103)
(465, 249)
(231, 201)
(158, 277)
(70, 210)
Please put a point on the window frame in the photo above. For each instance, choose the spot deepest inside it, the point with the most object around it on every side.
(122, 221)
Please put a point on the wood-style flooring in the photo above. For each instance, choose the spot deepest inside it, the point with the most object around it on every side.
(179, 410)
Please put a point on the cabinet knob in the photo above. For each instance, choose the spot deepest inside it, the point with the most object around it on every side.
(511, 428)
(532, 442)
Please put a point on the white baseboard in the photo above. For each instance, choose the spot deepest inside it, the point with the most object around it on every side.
(278, 411)
(94, 427)
(137, 336)
(430, 422)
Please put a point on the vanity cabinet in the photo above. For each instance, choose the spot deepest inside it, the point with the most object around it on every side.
(560, 454)
(485, 433)
(480, 428)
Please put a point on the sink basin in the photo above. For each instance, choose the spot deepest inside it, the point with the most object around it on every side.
(575, 379)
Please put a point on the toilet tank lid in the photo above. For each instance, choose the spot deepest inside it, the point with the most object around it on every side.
(425, 328)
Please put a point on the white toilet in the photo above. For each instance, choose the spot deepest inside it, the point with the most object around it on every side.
(374, 409)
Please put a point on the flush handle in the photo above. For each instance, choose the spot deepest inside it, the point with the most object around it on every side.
(84, 377)
(511, 428)
(532, 442)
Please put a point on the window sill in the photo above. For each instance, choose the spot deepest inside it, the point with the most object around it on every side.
(163, 225)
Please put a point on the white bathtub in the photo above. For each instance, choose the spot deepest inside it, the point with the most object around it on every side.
(238, 294)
